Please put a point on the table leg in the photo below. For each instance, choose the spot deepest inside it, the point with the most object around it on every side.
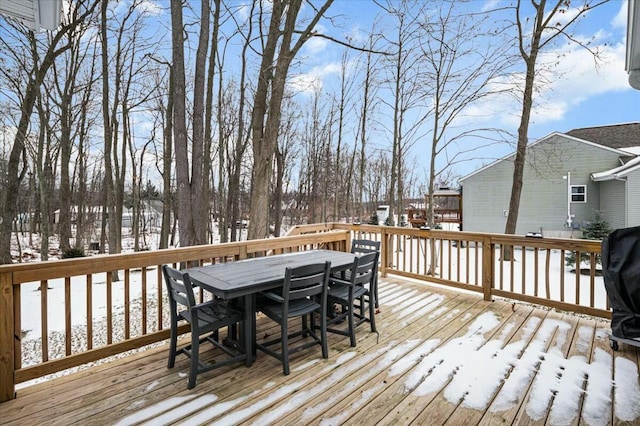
(249, 328)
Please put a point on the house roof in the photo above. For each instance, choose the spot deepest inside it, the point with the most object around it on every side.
(623, 139)
(617, 136)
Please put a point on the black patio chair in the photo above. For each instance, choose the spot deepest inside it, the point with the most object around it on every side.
(204, 318)
(304, 292)
(354, 296)
(361, 246)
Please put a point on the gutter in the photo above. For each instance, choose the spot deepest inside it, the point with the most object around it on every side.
(618, 173)
(633, 44)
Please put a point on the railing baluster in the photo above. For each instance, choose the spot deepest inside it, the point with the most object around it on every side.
(449, 262)
(144, 299)
(127, 304)
(535, 271)
(562, 254)
(477, 264)
(512, 272)
(17, 324)
(458, 260)
(44, 318)
(159, 286)
(547, 274)
(89, 306)
(523, 255)
(109, 302)
(592, 277)
(578, 273)
(67, 315)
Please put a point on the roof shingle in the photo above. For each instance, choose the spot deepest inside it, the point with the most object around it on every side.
(615, 136)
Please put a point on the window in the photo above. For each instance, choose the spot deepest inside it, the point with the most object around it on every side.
(578, 193)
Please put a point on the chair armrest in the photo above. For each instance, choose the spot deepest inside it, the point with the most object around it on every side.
(203, 305)
(273, 296)
(333, 280)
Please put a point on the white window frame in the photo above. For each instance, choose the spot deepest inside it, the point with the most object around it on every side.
(579, 194)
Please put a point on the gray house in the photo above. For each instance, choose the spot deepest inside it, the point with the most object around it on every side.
(567, 178)
(35, 14)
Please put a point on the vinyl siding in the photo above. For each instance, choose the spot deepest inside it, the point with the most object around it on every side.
(543, 202)
(612, 203)
(22, 11)
(633, 197)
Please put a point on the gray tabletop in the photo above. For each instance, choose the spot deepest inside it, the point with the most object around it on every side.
(243, 277)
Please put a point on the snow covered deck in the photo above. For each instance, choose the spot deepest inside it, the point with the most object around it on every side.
(441, 357)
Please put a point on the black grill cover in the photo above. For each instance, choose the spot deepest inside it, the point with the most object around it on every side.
(621, 272)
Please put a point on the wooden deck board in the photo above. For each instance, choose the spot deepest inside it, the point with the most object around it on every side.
(400, 376)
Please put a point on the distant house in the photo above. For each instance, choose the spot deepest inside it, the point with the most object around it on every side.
(567, 178)
(35, 14)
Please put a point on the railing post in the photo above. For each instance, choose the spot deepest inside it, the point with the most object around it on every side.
(384, 252)
(243, 252)
(7, 340)
(488, 266)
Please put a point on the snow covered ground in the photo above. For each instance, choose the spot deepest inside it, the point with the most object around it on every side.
(486, 367)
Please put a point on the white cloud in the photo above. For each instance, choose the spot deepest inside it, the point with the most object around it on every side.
(490, 5)
(150, 8)
(620, 20)
(312, 80)
(315, 45)
(573, 80)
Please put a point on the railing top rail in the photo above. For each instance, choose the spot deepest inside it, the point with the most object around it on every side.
(36, 271)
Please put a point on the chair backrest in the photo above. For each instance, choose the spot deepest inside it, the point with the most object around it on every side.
(179, 287)
(305, 281)
(365, 246)
(364, 267)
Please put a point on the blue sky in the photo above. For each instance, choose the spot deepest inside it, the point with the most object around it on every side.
(582, 96)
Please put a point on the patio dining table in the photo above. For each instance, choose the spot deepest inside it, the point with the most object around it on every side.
(245, 278)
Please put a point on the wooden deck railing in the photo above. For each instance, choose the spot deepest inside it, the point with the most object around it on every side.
(535, 273)
(476, 262)
(86, 288)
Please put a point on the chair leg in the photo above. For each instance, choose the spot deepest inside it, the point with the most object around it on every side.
(285, 346)
(323, 333)
(352, 328)
(372, 312)
(312, 321)
(375, 290)
(195, 351)
(173, 343)
(305, 326)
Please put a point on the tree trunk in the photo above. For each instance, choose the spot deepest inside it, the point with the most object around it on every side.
(265, 120)
(183, 186)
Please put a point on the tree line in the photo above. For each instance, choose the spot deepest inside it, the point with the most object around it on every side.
(206, 106)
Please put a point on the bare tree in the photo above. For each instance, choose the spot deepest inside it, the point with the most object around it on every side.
(408, 99)
(460, 66)
(36, 70)
(369, 95)
(190, 178)
(265, 121)
(344, 107)
(535, 34)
